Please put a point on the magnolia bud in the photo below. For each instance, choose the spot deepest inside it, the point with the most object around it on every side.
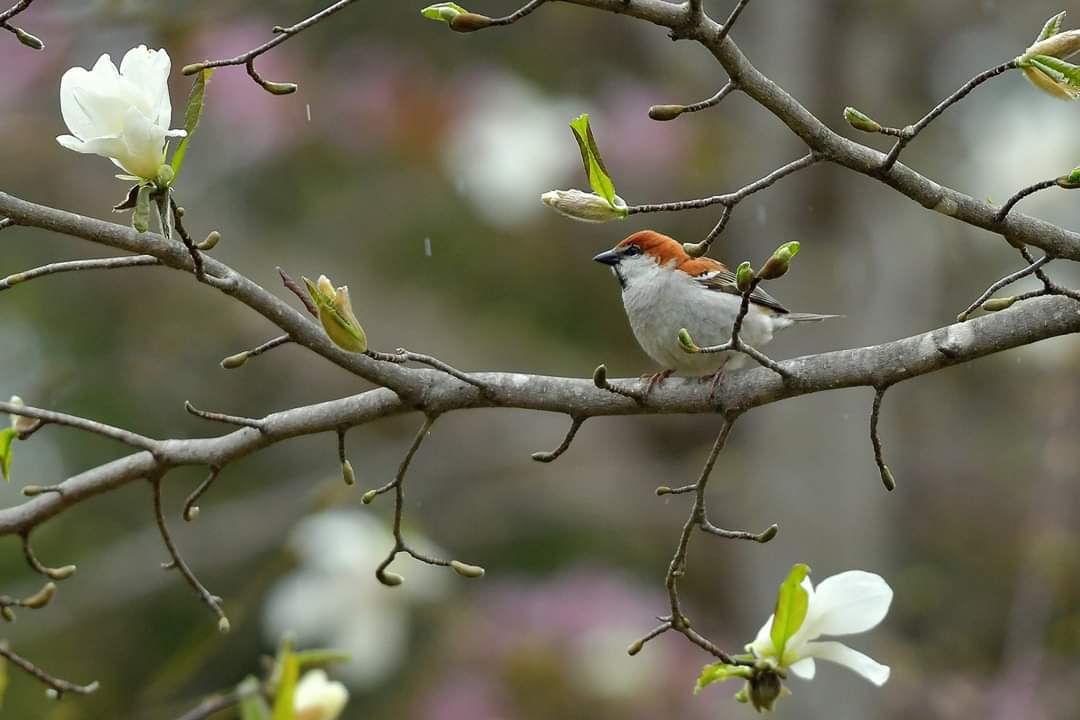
(587, 207)
(995, 304)
(21, 423)
(765, 688)
(859, 121)
(599, 376)
(211, 241)
(336, 315)
(368, 497)
(887, 478)
(29, 40)
(744, 276)
(635, 648)
(1060, 45)
(768, 534)
(666, 112)
(777, 265)
(464, 570)
(191, 513)
(390, 579)
(193, 68)
(223, 625)
(662, 491)
(234, 361)
(687, 343)
(279, 88)
(61, 573)
(469, 22)
(41, 598)
(347, 473)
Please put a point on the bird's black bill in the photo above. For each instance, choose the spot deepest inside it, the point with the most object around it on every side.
(609, 257)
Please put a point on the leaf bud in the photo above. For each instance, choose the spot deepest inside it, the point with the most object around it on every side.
(29, 40)
(469, 22)
(390, 579)
(234, 361)
(860, 121)
(995, 304)
(687, 343)
(347, 473)
(41, 598)
(744, 276)
(211, 241)
(466, 570)
(664, 113)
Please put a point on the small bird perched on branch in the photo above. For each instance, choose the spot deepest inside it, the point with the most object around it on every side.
(665, 290)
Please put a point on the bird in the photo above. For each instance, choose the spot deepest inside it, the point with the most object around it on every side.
(665, 290)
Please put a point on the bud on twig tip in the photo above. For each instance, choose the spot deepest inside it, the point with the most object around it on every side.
(469, 22)
(234, 361)
(41, 598)
(635, 648)
(466, 570)
(662, 491)
(664, 113)
(191, 513)
(887, 478)
(695, 249)
(211, 241)
(390, 579)
(860, 121)
(30, 41)
(995, 304)
(223, 625)
(347, 473)
(687, 343)
(599, 376)
(368, 497)
(61, 573)
(193, 68)
(769, 533)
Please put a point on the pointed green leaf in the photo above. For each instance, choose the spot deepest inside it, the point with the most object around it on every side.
(444, 11)
(140, 219)
(598, 176)
(252, 704)
(196, 103)
(791, 604)
(1052, 27)
(286, 687)
(6, 436)
(719, 672)
(1058, 69)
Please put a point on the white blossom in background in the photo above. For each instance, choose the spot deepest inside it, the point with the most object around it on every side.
(333, 600)
(851, 602)
(509, 145)
(318, 698)
(122, 114)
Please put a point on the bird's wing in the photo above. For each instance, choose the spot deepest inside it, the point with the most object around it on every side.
(724, 281)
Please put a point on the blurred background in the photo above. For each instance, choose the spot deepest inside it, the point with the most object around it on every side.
(409, 165)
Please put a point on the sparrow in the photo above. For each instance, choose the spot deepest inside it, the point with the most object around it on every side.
(665, 290)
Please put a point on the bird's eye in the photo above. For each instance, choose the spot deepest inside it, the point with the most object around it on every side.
(632, 250)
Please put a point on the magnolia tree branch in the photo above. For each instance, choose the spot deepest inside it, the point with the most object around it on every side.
(24, 37)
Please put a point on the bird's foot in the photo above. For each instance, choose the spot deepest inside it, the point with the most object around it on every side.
(654, 379)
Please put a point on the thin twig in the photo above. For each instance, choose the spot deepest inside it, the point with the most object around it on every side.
(235, 361)
(401, 355)
(222, 417)
(600, 379)
(56, 685)
(178, 223)
(91, 426)
(576, 421)
(191, 510)
(1020, 195)
(210, 600)
(729, 199)
(670, 112)
(886, 475)
(77, 266)
(725, 29)
(60, 573)
(912, 131)
(213, 705)
(281, 35)
(24, 37)
(518, 14)
(1031, 269)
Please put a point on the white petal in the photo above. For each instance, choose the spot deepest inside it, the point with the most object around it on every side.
(109, 147)
(841, 654)
(148, 73)
(804, 668)
(145, 145)
(763, 645)
(851, 602)
(70, 142)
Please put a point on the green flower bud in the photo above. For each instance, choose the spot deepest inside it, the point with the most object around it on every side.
(887, 478)
(859, 121)
(223, 625)
(336, 315)
(769, 533)
(41, 598)
(390, 579)
(211, 241)
(30, 41)
(369, 497)
(635, 648)
(777, 265)
(995, 304)
(234, 361)
(279, 88)
(61, 573)
(191, 513)
(744, 276)
(599, 376)
(469, 22)
(687, 343)
(468, 571)
(664, 113)
(662, 491)
(193, 68)
(347, 473)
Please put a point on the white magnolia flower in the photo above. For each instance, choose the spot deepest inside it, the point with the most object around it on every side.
(123, 114)
(318, 698)
(851, 602)
(587, 207)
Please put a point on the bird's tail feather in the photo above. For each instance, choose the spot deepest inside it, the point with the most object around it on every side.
(808, 317)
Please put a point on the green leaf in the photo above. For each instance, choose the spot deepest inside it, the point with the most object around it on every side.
(791, 604)
(444, 11)
(140, 219)
(719, 672)
(306, 658)
(1052, 27)
(286, 688)
(252, 704)
(598, 176)
(196, 103)
(1058, 69)
(6, 436)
